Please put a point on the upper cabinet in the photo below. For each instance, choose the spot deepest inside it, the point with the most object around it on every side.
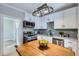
(43, 24)
(29, 17)
(37, 23)
(58, 20)
(50, 18)
(70, 18)
(66, 19)
(40, 23)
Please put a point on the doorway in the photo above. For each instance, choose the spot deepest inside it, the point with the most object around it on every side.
(10, 35)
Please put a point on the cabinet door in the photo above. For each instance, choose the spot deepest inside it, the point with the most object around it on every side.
(40, 24)
(58, 21)
(36, 24)
(74, 46)
(67, 43)
(70, 18)
(43, 24)
(50, 18)
(71, 44)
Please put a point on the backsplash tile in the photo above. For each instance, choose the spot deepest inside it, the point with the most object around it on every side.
(71, 32)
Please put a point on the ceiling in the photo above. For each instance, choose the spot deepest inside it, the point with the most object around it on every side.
(29, 7)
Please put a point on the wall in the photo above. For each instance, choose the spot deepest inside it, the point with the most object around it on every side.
(20, 32)
(11, 12)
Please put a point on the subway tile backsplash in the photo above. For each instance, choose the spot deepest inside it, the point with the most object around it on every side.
(71, 32)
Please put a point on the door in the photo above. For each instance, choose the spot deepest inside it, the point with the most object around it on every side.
(10, 35)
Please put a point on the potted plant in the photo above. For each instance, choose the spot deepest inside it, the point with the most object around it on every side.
(61, 33)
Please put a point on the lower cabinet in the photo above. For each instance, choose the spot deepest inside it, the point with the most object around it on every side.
(71, 44)
(59, 42)
(67, 43)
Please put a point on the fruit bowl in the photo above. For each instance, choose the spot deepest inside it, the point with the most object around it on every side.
(43, 44)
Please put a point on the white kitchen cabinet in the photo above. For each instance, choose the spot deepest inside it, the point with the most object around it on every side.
(58, 20)
(50, 17)
(71, 43)
(37, 23)
(66, 19)
(70, 18)
(43, 24)
(29, 17)
(40, 23)
(32, 18)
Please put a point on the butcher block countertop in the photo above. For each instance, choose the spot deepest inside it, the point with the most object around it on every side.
(32, 49)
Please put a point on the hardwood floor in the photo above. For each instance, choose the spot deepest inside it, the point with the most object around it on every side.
(13, 53)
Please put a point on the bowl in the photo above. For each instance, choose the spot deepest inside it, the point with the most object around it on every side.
(43, 43)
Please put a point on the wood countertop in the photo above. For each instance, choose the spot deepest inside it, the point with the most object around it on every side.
(32, 49)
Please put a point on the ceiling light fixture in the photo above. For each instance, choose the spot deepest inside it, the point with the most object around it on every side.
(42, 10)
